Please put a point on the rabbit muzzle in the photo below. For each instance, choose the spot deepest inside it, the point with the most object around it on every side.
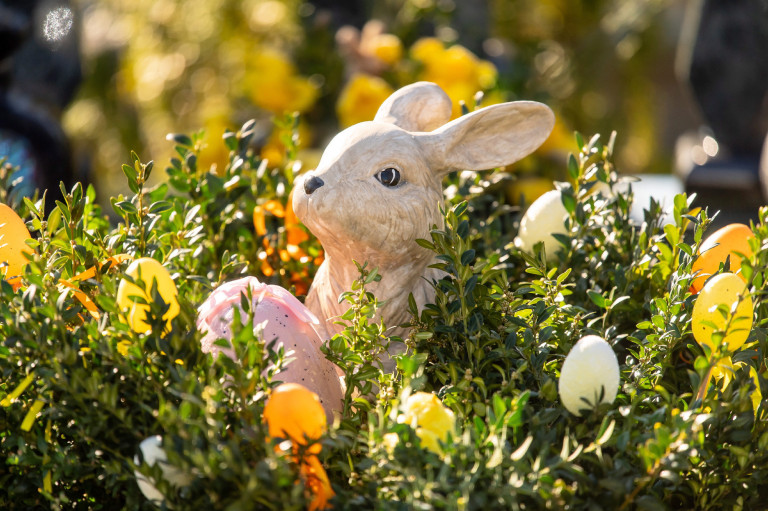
(312, 183)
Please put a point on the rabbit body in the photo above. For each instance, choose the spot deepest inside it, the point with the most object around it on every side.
(378, 188)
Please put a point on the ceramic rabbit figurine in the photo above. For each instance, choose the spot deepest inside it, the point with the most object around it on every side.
(378, 188)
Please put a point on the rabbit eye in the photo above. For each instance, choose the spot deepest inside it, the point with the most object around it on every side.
(389, 177)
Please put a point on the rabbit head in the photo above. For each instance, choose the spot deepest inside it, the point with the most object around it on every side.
(378, 188)
(378, 185)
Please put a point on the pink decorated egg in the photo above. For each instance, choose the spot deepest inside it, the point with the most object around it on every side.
(286, 319)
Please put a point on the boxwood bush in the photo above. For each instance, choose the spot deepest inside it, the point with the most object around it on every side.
(79, 390)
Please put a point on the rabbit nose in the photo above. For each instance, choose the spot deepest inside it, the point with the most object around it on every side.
(312, 183)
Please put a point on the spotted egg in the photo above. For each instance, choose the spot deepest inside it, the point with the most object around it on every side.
(283, 318)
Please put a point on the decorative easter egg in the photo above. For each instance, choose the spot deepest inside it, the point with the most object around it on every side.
(721, 244)
(13, 234)
(284, 318)
(724, 289)
(148, 270)
(153, 453)
(295, 413)
(430, 418)
(590, 370)
(545, 217)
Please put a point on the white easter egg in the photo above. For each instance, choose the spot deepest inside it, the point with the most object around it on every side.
(152, 450)
(589, 370)
(545, 217)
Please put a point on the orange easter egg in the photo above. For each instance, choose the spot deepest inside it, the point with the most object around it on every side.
(13, 234)
(723, 243)
(294, 412)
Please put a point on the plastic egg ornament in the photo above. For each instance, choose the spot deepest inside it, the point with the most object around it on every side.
(149, 270)
(153, 453)
(544, 218)
(294, 412)
(590, 370)
(727, 242)
(13, 235)
(284, 318)
(724, 289)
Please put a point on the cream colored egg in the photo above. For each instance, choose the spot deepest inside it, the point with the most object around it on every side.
(589, 370)
(153, 453)
(545, 217)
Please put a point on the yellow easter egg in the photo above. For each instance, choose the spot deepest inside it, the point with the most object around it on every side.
(721, 244)
(13, 234)
(723, 289)
(148, 270)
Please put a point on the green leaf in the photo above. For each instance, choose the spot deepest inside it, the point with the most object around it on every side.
(579, 140)
(521, 451)
(463, 229)
(605, 433)
(569, 201)
(460, 208)
(467, 257)
(180, 139)
(597, 298)
(126, 207)
(573, 166)
(673, 236)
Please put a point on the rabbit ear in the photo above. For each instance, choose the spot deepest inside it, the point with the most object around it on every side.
(421, 106)
(493, 136)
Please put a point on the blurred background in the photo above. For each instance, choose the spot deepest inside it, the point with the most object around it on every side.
(107, 76)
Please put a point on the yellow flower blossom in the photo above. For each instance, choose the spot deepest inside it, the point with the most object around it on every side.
(456, 65)
(455, 69)
(361, 98)
(274, 84)
(385, 47)
(427, 49)
(431, 420)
